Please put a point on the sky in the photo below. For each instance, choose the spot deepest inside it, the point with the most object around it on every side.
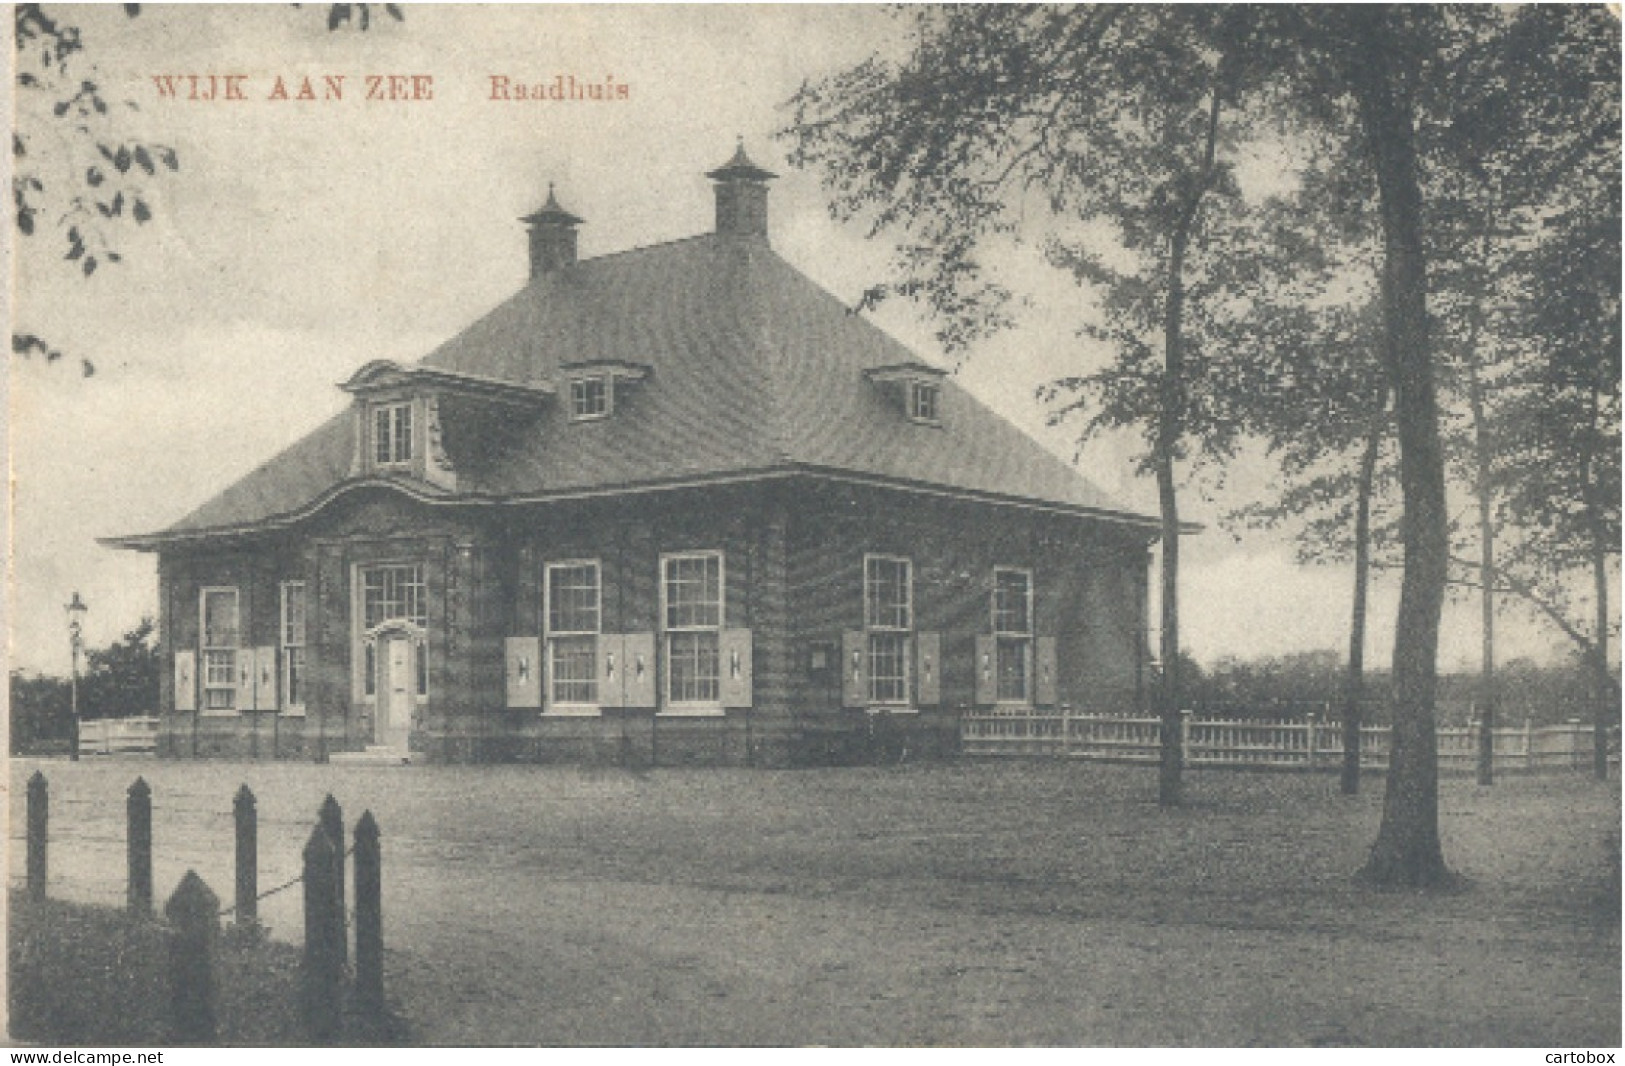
(301, 239)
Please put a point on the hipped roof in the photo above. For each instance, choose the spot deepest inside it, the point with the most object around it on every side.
(755, 371)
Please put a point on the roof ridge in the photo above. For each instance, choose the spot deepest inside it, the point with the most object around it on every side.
(951, 378)
(693, 237)
(772, 355)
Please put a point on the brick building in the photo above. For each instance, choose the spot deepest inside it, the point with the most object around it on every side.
(674, 504)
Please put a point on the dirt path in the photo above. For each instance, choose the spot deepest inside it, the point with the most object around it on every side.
(964, 904)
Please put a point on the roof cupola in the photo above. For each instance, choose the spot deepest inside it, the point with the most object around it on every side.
(741, 188)
(552, 236)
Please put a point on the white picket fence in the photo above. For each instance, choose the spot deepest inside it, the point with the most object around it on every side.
(1306, 743)
(117, 736)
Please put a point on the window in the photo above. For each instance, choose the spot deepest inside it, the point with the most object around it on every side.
(589, 398)
(392, 434)
(691, 593)
(923, 401)
(1013, 634)
(293, 643)
(573, 596)
(888, 615)
(393, 593)
(219, 642)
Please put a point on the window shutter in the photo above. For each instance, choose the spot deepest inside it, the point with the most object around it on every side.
(927, 669)
(611, 661)
(265, 679)
(1044, 681)
(638, 669)
(524, 672)
(736, 668)
(186, 681)
(854, 670)
(987, 691)
(245, 679)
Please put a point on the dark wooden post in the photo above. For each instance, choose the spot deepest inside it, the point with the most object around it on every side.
(192, 913)
(243, 809)
(138, 847)
(369, 917)
(332, 823)
(321, 976)
(39, 817)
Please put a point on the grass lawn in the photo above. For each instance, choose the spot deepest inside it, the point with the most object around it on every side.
(92, 975)
(964, 903)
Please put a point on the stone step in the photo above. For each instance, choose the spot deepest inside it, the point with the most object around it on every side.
(372, 755)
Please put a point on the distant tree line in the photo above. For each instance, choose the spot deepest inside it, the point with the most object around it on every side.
(117, 681)
(1291, 685)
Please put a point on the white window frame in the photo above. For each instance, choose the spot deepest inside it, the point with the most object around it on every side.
(205, 650)
(551, 637)
(925, 402)
(292, 640)
(875, 632)
(364, 685)
(691, 707)
(392, 428)
(1008, 638)
(606, 383)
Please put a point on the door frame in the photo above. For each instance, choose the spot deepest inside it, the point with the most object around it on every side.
(382, 639)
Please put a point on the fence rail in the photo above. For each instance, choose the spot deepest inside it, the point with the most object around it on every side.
(1309, 742)
(117, 736)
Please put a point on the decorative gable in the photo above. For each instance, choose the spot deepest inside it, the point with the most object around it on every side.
(915, 388)
(418, 422)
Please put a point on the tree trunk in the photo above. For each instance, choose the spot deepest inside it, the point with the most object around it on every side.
(1354, 688)
(1486, 563)
(1602, 683)
(1170, 785)
(1170, 427)
(1407, 850)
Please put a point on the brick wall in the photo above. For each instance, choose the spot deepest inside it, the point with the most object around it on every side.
(1085, 582)
(793, 574)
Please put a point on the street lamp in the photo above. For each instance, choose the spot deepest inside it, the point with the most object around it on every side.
(76, 640)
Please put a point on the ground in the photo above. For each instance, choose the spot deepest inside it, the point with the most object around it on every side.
(985, 903)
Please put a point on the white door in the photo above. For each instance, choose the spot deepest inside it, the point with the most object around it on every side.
(397, 692)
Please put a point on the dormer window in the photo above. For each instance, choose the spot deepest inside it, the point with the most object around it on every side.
(922, 401)
(914, 387)
(420, 422)
(591, 398)
(392, 434)
(597, 384)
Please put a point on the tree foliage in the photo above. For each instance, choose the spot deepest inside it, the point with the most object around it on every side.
(81, 165)
(1001, 122)
(1111, 124)
(121, 679)
(116, 681)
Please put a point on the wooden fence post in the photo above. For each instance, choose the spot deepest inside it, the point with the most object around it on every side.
(1312, 749)
(331, 819)
(192, 913)
(244, 811)
(138, 847)
(1528, 745)
(1185, 735)
(321, 976)
(369, 917)
(39, 817)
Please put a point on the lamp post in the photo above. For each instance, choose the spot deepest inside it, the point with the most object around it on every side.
(76, 640)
